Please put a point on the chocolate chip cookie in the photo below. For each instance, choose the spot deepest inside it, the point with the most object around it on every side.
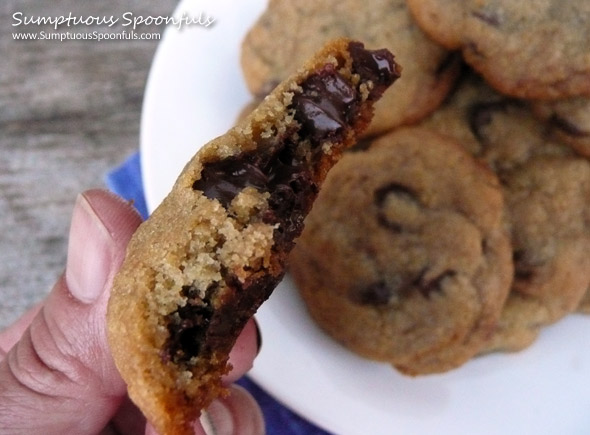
(216, 247)
(405, 257)
(289, 31)
(547, 198)
(532, 49)
(546, 186)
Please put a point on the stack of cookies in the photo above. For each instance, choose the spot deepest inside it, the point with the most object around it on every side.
(461, 224)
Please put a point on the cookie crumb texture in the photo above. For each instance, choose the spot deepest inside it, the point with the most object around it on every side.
(216, 247)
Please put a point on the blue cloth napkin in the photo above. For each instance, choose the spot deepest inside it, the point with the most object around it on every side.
(125, 180)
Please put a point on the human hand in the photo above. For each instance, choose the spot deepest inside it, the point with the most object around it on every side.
(56, 372)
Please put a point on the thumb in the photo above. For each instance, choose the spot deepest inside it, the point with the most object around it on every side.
(59, 377)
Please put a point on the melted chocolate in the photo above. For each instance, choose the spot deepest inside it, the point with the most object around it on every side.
(187, 327)
(325, 105)
(235, 304)
(224, 179)
(375, 65)
(200, 329)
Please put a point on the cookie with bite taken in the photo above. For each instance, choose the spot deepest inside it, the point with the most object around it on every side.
(217, 246)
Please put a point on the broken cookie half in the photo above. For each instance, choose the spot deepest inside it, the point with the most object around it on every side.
(216, 247)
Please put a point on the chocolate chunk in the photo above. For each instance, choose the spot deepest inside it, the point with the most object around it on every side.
(224, 179)
(292, 191)
(567, 127)
(317, 119)
(323, 108)
(394, 189)
(481, 115)
(287, 207)
(187, 327)
(376, 294)
(426, 288)
(286, 178)
(381, 194)
(375, 65)
(324, 105)
(473, 49)
(522, 270)
(381, 293)
(487, 17)
(235, 305)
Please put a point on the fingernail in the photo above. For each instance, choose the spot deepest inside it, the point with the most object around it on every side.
(221, 422)
(90, 253)
(258, 337)
(236, 413)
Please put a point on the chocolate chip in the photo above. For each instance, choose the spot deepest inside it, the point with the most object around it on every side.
(377, 294)
(402, 192)
(426, 288)
(473, 49)
(394, 189)
(187, 326)
(286, 208)
(487, 17)
(567, 127)
(325, 105)
(523, 271)
(329, 82)
(380, 293)
(235, 305)
(377, 66)
(224, 179)
(317, 119)
(480, 115)
(323, 108)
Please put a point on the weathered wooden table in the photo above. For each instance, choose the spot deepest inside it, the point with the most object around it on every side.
(69, 111)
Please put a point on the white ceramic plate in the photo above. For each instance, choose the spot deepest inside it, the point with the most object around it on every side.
(194, 93)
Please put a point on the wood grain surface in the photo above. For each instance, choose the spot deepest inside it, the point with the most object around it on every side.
(69, 111)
